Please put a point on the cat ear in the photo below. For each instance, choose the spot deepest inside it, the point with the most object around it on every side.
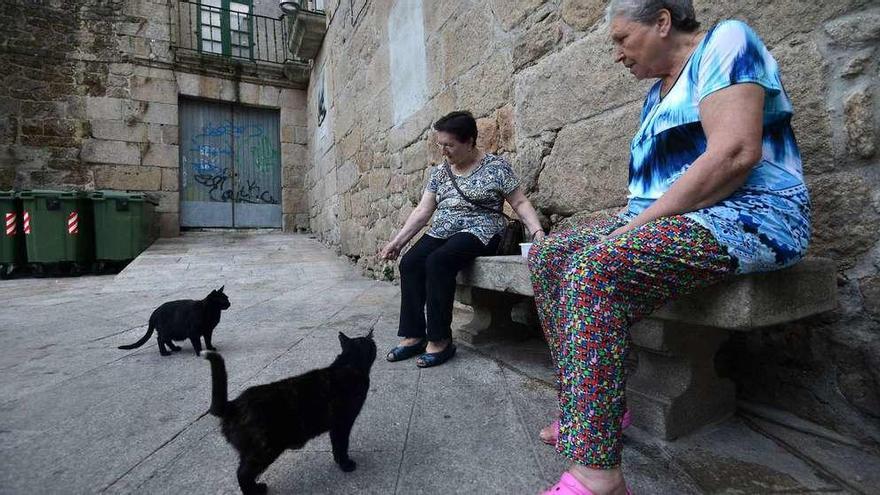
(221, 288)
(370, 334)
(343, 339)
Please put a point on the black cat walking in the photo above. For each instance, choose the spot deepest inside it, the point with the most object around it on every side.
(185, 319)
(265, 420)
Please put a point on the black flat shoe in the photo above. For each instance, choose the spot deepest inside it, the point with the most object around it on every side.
(430, 359)
(402, 352)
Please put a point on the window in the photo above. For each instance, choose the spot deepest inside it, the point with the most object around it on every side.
(211, 27)
(226, 27)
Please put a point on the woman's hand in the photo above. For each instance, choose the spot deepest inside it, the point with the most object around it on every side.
(416, 220)
(618, 231)
(537, 235)
(390, 252)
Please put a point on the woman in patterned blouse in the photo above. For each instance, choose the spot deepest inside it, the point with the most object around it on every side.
(460, 232)
(715, 188)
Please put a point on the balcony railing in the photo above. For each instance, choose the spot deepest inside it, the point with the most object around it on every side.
(309, 5)
(207, 29)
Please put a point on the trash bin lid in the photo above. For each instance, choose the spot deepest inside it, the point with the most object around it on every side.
(108, 194)
(47, 193)
(7, 194)
(130, 196)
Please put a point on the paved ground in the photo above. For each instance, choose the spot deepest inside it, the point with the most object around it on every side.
(78, 415)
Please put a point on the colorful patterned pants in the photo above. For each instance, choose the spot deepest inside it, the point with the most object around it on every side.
(588, 292)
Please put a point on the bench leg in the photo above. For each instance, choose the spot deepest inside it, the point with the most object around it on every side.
(675, 389)
(492, 315)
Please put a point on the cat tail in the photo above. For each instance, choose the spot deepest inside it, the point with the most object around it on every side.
(218, 383)
(143, 339)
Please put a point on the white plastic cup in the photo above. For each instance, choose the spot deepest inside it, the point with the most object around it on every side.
(524, 248)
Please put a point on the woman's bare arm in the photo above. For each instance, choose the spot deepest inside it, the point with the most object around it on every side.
(416, 220)
(526, 212)
(732, 119)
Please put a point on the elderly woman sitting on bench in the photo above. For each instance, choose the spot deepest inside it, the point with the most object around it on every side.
(715, 188)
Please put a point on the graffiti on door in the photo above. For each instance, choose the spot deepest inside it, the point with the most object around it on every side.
(214, 183)
(264, 154)
(208, 163)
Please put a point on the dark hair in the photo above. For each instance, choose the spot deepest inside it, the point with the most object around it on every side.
(646, 11)
(460, 124)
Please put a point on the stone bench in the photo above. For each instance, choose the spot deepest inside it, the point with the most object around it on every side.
(675, 389)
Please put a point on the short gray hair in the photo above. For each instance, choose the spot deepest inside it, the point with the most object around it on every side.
(645, 11)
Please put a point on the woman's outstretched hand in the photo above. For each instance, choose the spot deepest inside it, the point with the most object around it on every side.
(389, 252)
(619, 231)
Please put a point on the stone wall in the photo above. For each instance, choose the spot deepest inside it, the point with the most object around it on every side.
(539, 76)
(89, 100)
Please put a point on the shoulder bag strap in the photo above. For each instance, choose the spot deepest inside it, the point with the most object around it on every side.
(469, 200)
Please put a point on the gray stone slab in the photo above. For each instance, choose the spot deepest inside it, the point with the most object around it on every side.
(529, 356)
(744, 302)
(464, 413)
(315, 472)
(87, 435)
(760, 299)
(731, 458)
(535, 404)
(502, 273)
(852, 466)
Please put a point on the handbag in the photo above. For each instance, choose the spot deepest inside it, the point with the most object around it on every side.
(514, 232)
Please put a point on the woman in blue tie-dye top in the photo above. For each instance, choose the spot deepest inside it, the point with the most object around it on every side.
(715, 188)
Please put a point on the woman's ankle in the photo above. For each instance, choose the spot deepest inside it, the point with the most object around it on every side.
(600, 481)
(410, 341)
(438, 345)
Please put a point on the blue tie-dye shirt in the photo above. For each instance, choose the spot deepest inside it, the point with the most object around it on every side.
(765, 225)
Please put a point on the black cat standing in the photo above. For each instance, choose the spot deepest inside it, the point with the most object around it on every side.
(185, 319)
(265, 420)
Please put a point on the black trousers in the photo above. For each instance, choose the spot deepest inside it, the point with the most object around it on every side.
(427, 282)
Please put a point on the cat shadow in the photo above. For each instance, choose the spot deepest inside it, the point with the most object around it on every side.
(311, 471)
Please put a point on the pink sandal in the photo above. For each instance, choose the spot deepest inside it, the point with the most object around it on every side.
(569, 485)
(624, 424)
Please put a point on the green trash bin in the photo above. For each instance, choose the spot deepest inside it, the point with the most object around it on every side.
(12, 253)
(58, 227)
(124, 224)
